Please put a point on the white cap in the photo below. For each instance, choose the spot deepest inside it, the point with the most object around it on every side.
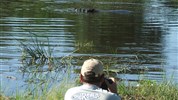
(92, 65)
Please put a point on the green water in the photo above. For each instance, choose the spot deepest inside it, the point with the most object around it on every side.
(143, 40)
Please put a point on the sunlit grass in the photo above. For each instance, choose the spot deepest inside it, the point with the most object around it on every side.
(38, 56)
(145, 90)
(149, 90)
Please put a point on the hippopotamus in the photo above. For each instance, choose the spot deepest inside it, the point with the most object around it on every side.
(92, 10)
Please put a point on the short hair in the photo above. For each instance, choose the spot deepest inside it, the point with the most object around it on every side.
(90, 77)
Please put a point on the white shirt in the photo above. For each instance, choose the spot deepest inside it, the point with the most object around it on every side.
(89, 92)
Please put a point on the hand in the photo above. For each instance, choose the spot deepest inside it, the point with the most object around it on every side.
(112, 87)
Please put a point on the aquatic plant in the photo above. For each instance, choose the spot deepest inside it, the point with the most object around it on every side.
(84, 46)
(34, 54)
(35, 57)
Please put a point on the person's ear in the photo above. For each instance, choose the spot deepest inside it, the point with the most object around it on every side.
(102, 78)
(81, 78)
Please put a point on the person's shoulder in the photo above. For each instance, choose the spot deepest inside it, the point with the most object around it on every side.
(70, 92)
(112, 96)
(109, 95)
(74, 89)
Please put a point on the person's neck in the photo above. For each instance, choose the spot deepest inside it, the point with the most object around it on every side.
(97, 84)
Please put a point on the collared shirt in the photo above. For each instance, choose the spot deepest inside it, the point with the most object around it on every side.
(89, 92)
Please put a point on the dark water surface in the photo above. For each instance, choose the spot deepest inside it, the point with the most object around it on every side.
(144, 41)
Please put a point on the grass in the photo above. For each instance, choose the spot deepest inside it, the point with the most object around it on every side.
(35, 54)
(145, 90)
(149, 90)
(35, 57)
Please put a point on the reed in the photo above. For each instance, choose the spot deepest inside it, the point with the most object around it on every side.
(35, 57)
(35, 54)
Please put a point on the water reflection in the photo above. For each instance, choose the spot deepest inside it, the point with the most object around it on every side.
(163, 21)
(16, 30)
(171, 53)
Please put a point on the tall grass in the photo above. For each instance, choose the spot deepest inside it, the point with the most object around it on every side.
(144, 90)
(149, 90)
(36, 56)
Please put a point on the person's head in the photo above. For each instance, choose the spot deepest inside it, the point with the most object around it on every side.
(92, 72)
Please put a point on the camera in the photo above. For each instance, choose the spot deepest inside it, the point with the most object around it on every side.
(104, 85)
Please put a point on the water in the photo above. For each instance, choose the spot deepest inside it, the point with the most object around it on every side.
(144, 40)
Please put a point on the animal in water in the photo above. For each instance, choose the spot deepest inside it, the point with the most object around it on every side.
(85, 10)
(92, 10)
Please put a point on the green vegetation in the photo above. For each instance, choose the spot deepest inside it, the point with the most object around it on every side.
(145, 90)
(35, 58)
(149, 90)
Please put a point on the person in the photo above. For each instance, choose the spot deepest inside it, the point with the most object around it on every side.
(92, 77)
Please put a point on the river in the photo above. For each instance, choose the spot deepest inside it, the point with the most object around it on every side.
(143, 41)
